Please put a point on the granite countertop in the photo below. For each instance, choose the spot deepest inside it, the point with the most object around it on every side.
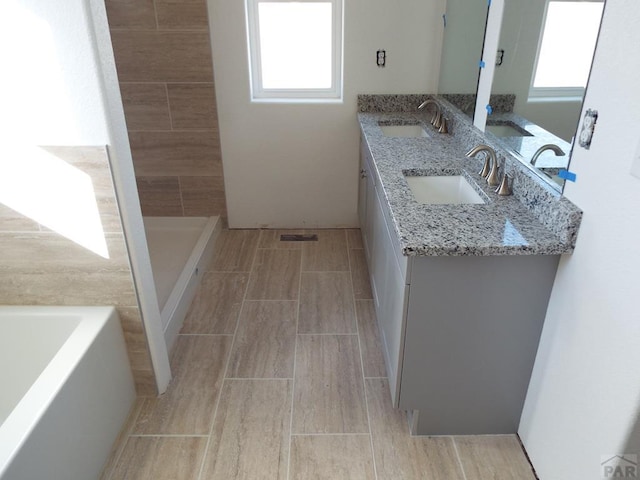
(502, 226)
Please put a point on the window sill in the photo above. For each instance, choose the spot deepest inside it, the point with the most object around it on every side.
(298, 100)
(555, 99)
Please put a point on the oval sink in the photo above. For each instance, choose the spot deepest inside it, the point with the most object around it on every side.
(403, 131)
(443, 190)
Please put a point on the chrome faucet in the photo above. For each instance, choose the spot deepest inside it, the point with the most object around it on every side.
(490, 168)
(549, 146)
(437, 120)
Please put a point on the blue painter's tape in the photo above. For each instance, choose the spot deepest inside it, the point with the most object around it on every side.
(489, 2)
(567, 175)
(489, 109)
(481, 64)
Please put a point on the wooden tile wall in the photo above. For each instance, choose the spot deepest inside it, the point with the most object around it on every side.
(163, 58)
(42, 267)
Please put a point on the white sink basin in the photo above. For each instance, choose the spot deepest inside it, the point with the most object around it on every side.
(451, 190)
(506, 129)
(403, 131)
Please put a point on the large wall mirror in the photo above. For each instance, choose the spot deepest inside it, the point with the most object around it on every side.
(464, 31)
(545, 51)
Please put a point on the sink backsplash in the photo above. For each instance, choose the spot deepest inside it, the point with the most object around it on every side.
(552, 209)
(466, 102)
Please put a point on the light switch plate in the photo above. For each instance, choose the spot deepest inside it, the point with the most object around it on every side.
(635, 164)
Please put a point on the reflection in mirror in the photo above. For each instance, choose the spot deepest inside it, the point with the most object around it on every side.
(461, 51)
(548, 50)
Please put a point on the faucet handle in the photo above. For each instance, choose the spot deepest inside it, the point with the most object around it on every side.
(436, 119)
(493, 179)
(504, 189)
(443, 125)
(486, 168)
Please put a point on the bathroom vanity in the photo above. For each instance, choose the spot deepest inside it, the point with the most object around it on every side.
(460, 284)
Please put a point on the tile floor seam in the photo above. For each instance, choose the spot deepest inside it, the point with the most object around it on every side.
(227, 271)
(166, 435)
(255, 274)
(168, 98)
(179, 182)
(251, 300)
(327, 334)
(155, 16)
(364, 381)
(455, 447)
(255, 379)
(224, 375)
(326, 271)
(321, 434)
(131, 421)
(293, 381)
(205, 334)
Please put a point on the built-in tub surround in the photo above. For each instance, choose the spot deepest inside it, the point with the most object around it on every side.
(66, 391)
(534, 220)
(42, 265)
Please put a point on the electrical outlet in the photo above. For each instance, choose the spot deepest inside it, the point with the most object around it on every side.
(588, 127)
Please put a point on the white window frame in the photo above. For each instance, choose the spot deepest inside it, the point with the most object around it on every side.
(260, 94)
(554, 94)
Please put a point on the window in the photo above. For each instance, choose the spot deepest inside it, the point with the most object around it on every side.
(567, 42)
(295, 49)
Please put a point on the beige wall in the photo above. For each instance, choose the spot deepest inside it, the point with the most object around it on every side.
(43, 267)
(163, 58)
(296, 164)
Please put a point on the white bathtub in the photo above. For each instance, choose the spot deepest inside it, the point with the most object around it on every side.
(180, 248)
(65, 391)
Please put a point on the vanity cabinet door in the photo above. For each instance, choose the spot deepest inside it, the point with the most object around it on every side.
(369, 193)
(362, 193)
(390, 296)
(472, 331)
(368, 235)
(363, 179)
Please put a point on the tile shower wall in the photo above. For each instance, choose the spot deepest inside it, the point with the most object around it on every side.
(163, 58)
(42, 267)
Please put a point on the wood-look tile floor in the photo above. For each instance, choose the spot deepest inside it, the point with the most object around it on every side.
(279, 374)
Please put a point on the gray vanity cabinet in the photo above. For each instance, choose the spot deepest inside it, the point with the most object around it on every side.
(472, 330)
(387, 272)
(390, 291)
(362, 192)
(459, 333)
(366, 199)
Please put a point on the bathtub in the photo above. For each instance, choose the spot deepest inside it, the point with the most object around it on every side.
(180, 248)
(65, 391)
